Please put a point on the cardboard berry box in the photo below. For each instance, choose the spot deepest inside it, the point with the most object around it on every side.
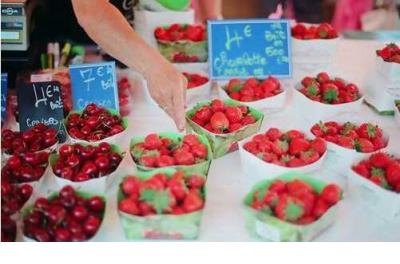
(270, 228)
(202, 167)
(189, 48)
(256, 169)
(117, 139)
(269, 104)
(29, 207)
(377, 200)
(160, 226)
(98, 185)
(390, 71)
(222, 144)
(315, 111)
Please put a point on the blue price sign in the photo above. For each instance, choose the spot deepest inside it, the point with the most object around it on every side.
(247, 48)
(4, 89)
(94, 83)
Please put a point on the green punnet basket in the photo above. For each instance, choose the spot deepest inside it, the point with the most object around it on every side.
(168, 227)
(201, 168)
(269, 228)
(222, 144)
(190, 48)
(114, 139)
(28, 209)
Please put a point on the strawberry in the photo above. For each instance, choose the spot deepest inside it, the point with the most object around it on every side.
(191, 140)
(309, 156)
(233, 114)
(306, 81)
(320, 208)
(273, 134)
(177, 186)
(196, 181)
(129, 206)
(331, 194)
(217, 105)
(278, 186)
(271, 198)
(323, 30)
(148, 161)
(219, 122)
(292, 134)
(369, 131)
(299, 30)
(379, 180)
(248, 120)
(280, 147)
(184, 157)
(330, 92)
(323, 77)
(318, 145)
(234, 85)
(152, 141)
(193, 201)
(311, 90)
(295, 162)
(289, 209)
(393, 173)
(346, 142)
(364, 145)
(380, 160)
(203, 114)
(164, 161)
(298, 187)
(362, 169)
(298, 145)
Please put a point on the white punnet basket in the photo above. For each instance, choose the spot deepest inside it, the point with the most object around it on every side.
(377, 200)
(316, 111)
(314, 51)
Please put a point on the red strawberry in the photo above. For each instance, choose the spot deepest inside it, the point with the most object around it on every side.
(148, 161)
(191, 140)
(364, 145)
(309, 156)
(217, 105)
(345, 142)
(280, 147)
(196, 181)
(320, 208)
(378, 177)
(289, 209)
(299, 30)
(369, 131)
(271, 198)
(199, 151)
(323, 77)
(129, 206)
(308, 81)
(184, 157)
(131, 185)
(297, 187)
(318, 145)
(193, 201)
(278, 186)
(298, 145)
(292, 134)
(362, 169)
(295, 162)
(273, 134)
(380, 160)
(233, 114)
(164, 161)
(331, 194)
(393, 173)
(330, 92)
(152, 141)
(248, 120)
(234, 85)
(219, 122)
(177, 186)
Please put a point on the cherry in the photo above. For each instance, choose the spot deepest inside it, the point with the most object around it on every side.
(41, 204)
(104, 147)
(89, 168)
(26, 191)
(80, 177)
(67, 191)
(91, 225)
(96, 204)
(102, 162)
(67, 173)
(42, 235)
(80, 213)
(62, 235)
(34, 218)
(14, 162)
(72, 160)
(56, 214)
(66, 150)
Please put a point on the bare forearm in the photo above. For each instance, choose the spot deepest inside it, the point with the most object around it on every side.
(211, 9)
(109, 29)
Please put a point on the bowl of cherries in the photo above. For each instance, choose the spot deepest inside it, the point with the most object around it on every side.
(87, 167)
(68, 215)
(95, 124)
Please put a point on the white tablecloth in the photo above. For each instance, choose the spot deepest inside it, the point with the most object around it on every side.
(223, 218)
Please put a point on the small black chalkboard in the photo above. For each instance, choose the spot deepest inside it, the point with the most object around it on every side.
(41, 102)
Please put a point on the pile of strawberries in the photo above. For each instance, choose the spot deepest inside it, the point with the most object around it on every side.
(81, 163)
(322, 31)
(325, 90)
(364, 138)
(14, 196)
(157, 152)
(220, 118)
(178, 32)
(390, 53)
(382, 169)
(37, 138)
(24, 168)
(252, 89)
(160, 194)
(195, 80)
(93, 124)
(65, 217)
(295, 201)
(287, 149)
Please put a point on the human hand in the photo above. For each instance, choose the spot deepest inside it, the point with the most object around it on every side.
(167, 86)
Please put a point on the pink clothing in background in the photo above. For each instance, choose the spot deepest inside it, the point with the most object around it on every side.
(349, 12)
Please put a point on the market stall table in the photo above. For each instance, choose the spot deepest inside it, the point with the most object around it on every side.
(223, 218)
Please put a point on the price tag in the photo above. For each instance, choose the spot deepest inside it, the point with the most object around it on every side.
(94, 83)
(4, 90)
(249, 48)
(41, 102)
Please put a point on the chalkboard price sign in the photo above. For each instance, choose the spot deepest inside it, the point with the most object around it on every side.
(41, 102)
(4, 89)
(94, 83)
(247, 48)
